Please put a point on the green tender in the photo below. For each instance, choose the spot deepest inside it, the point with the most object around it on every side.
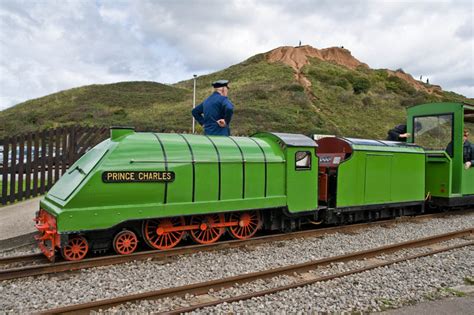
(378, 172)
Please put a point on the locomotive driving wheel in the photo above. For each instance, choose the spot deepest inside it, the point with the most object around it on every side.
(76, 248)
(206, 233)
(162, 233)
(125, 242)
(248, 224)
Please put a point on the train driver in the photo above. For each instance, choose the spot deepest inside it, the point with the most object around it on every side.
(398, 133)
(468, 151)
(215, 113)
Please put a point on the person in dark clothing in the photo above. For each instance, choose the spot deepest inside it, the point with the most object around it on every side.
(215, 113)
(399, 133)
(467, 150)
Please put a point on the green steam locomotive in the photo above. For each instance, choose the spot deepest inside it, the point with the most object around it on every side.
(163, 188)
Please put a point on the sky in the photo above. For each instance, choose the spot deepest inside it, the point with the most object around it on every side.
(48, 46)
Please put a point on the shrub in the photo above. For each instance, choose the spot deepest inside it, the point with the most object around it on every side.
(367, 101)
(120, 113)
(345, 97)
(294, 87)
(332, 77)
(320, 76)
(399, 86)
(342, 82)
(299, 98)
(260, 94)
(361, 85)
(419, 98)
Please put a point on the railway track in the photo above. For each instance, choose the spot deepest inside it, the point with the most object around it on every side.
(37, 264)
(201, 289)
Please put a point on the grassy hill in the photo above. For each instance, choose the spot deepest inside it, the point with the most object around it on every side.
(321, 96)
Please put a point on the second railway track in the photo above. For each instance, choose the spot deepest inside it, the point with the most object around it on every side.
(40, 266)
(215, 285)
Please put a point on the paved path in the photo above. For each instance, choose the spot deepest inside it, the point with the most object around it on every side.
(456, 305)
(17, 219)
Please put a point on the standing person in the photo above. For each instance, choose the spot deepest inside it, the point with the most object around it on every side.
(399, 133)
(467, 150)
(215, 113)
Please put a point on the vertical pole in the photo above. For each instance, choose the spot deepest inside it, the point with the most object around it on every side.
(194, 100)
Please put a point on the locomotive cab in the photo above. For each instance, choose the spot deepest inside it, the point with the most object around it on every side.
(301, 170)
(440, 130)
(332, 152)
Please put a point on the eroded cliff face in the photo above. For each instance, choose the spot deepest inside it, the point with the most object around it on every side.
(297, 58)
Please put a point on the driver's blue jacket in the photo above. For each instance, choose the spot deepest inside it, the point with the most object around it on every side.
(207, 114)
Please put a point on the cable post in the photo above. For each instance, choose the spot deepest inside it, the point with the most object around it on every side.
(194, 101)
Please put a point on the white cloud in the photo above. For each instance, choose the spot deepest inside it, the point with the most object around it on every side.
(46, 46)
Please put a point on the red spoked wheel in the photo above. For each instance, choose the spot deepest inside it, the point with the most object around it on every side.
(160, 233)
(76, 248)
(248, 224)
(125, 242)
(206, 233)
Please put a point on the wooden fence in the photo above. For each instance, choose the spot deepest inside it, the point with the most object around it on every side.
(33, 162)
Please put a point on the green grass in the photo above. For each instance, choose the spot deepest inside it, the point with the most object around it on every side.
(386, 304)
(453, 292)
(360, 103)
(469, 281)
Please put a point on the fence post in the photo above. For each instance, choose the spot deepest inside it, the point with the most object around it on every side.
(29, 156)
(13, 171)
(42, 187)
(57, 135)
(50, 166)
(6, 150)
(35, 164)
(21, 165)
(72, 145)
(64, 150)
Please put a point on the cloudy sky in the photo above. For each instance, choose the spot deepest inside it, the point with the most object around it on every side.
(47, 46)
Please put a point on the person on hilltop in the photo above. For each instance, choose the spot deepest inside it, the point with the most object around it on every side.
(215, 113)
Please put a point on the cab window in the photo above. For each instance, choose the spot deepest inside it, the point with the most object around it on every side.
(434, 132)
(469, 124)
(303, 160)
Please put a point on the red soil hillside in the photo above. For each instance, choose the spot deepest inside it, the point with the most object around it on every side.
(297, 57)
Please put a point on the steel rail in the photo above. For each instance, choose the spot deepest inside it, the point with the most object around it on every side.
(312, 281)
(204, 287)
(64, 266)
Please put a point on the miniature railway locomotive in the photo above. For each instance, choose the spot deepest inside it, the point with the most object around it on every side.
(161, 188)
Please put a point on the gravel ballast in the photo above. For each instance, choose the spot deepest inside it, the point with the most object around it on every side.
(387, 287)
(21, 250)
(49, 291)
(260, 285)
